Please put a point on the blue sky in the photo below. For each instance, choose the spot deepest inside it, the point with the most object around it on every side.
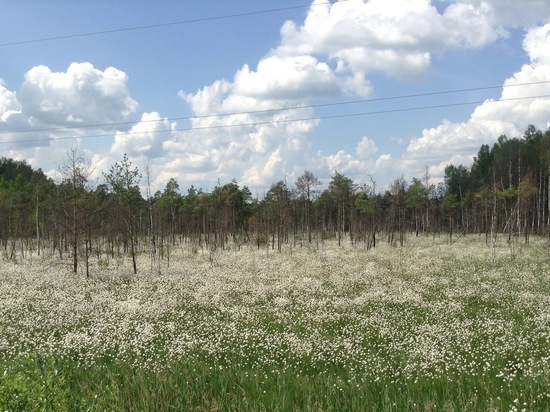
(252, 64)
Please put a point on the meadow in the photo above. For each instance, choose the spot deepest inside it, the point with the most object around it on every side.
(428, 326)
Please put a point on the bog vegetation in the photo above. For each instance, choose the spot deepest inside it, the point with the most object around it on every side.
(425, 327)
(417, 298)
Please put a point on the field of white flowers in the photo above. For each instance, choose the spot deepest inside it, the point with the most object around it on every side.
(427, 326)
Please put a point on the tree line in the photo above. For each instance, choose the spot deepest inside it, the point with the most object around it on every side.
(506, 190)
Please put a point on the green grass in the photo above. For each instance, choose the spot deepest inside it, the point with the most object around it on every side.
(62, 385)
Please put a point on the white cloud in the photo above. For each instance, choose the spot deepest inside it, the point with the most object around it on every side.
(332, 53)
(243, 127)
(9, 105)
(514, 13)
(536, 44)
(510, 115)
(81, 95)
(384, 162)
(255, 148)
(287, 77)
(361, 168)
(145, 137)
(397, 37)
(343, 162)
(469, 25)
(366, 147)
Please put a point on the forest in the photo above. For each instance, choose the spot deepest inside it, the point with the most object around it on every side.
(505, 191)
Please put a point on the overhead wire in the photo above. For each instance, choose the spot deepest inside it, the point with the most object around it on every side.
(281, 121)
(166, 24)
(264, 111)
(284, 109)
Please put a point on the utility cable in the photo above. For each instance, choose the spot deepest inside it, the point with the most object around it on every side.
(281, 121)
(154, 26)
(283, 109)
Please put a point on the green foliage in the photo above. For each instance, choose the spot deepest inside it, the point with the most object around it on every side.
(123, 179)
(63, 385)
(481, 172)
(19, 172)
(449, 203)
(341, 187)
(366, 201)
(508, 194)
(506, 188)
(457, 180)
(417, 195)
(33, 384)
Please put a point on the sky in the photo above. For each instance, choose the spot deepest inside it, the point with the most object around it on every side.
(260, 91)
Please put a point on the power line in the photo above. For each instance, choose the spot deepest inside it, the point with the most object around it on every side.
(264, 111)
(167, 24)
(335, 116)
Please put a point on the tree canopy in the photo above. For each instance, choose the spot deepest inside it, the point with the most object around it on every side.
(506, 189)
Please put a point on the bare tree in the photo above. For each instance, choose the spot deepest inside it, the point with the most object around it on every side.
(306, 187)
(123, 180)
(76, 171)
(342, 189)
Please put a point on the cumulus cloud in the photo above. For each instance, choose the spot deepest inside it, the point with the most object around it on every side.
(286, 77)
(254, 128)
(47, 102)
(333, 53)
(9, 104)
(255, 148)
(366, 148)
(536, 45)
(81, 95)
(145, 138)
(342, 162)
(256, 125)
(510, 115)
(397, 38)
(513, 13)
